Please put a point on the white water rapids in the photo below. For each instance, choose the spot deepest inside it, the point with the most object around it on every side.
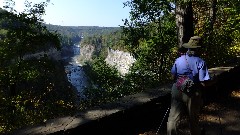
(75, 73)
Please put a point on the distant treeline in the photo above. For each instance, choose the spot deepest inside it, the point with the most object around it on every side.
(73, 34)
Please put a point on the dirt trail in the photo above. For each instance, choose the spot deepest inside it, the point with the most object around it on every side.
(223, 116)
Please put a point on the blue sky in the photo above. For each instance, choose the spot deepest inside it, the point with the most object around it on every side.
(107, 13)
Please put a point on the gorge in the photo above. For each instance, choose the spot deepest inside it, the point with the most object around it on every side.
(75, 72)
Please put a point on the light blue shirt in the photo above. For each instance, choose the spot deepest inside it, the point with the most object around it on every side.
(192, 66)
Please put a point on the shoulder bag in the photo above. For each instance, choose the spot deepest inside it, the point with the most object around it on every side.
(184, 83)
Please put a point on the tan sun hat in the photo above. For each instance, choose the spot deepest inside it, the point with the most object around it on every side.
(192, 43)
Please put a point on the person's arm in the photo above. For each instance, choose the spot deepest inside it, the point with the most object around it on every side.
(173, 77)
(174, 71)
(210, 82)
(204, 77)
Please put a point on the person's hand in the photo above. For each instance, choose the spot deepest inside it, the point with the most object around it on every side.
(203, 84)
(209, 82)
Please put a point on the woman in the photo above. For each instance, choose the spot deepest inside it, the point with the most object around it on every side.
(188, 65)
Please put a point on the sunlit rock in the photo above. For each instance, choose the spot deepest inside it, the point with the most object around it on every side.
(121, 60)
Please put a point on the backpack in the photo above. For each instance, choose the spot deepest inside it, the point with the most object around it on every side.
(184, 83)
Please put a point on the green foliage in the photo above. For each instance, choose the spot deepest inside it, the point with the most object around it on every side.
(149, 36)
(219, 28)
(43, 96)
(150, 33)
(107, 84)
(105, 78)
(31, 89)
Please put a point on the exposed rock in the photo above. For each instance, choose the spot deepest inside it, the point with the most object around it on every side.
(86, 53)
(121, 60)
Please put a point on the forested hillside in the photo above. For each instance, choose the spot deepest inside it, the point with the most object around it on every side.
(32, 89)
(70, 35)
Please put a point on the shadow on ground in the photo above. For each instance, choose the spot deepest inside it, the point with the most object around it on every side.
(221, 112)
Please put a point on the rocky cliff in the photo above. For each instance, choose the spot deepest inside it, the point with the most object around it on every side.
(86, 53)
(121, 60)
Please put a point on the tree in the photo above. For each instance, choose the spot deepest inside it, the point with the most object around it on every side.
(31, 89)
(25, 35)
(184, 21)
(214, 21)
(149, 37)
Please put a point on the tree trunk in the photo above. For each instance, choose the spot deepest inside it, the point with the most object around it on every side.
(213, 13)
(212, 16)
(184, 21)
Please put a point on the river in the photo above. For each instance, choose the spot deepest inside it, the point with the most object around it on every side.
(75, 73)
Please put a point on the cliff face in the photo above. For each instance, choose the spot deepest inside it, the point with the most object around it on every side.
(86, 53)
(121, 60)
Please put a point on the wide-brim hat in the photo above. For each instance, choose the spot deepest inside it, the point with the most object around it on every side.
(193, 42)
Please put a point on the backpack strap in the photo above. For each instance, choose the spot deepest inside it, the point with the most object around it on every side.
(188, 63)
